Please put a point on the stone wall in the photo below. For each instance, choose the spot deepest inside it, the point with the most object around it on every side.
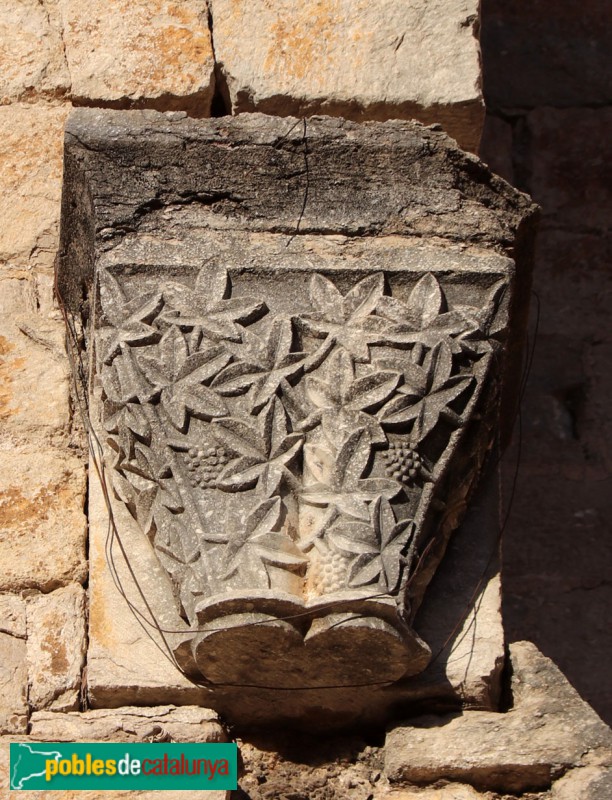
(548, 92)
(547, 88)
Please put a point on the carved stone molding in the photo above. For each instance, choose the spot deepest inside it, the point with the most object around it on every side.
(295, 423)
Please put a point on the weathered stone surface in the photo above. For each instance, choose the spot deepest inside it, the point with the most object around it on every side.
(549, 730)
(6, 794)
(31, 51)
(130, 724)
(361, 60)
(237, 545)
(42, 524)
(13, 667)
(125, 666)
(149, 53)
(34, 381)
(546, 53)
(451, 791)
(568, 166)
(30, 187)
(586, 783)
(56, 648)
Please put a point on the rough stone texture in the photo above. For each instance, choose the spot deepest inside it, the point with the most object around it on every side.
(56, 648)
(13, 667)
(549, 730)
(129, 724)
(42, 524)
(586, 783)
(31, 51)
(559, 538)
(85, 795)
(30, 188)
(33, 366)
(302, 767)
(148, 53)
(124, 665)
(546, 53)
(194, 205)
(452, 791)
(360, 60)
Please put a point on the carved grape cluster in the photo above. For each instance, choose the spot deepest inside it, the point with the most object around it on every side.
(327, 573)
(205, 465)
(403, 462)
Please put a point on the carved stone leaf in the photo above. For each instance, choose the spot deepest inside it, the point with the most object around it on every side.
(353, 538)
(209, 307)
(352, 459)
(130, 320)
(426, 300)
(371, 390)
(325, 296)
(364, 570)
(361, 300)
(123, 381)
(238, 436)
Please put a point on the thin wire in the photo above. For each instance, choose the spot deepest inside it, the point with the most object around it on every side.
(503, 524)
(113, 533)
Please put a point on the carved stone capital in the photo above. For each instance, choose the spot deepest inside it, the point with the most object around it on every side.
(294, 406)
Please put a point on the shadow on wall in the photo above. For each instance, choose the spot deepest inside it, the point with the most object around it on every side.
(547, 84)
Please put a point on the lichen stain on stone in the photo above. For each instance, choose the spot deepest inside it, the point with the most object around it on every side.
(56, 649)
(179, 47)
(7, 367)
(17, 510)
(301, 43)
(101, 627)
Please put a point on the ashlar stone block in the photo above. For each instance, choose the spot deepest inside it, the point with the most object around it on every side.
(360, 59)
(13, 667)
(132, 53)
(296, 378)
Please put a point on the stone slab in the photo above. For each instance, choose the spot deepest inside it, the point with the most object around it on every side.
(31, 52)
(33, 366)
(30, 187)
(153, 53)
(357, 59)
(130, 724)
(42, 524)
(13, 667)
(56, 648)
(549, 730)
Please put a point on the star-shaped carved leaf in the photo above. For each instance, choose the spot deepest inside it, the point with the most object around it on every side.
(377, 547)
(124, 382)
(336, 480)
(262, 363)
(130, 320)
(262, 537)
(342, 400)
(347, 319)
(127, 423)
(426, 394)
(209, 306)
(264, 448)
(179, 378)
(424, 318)
(155, 486)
